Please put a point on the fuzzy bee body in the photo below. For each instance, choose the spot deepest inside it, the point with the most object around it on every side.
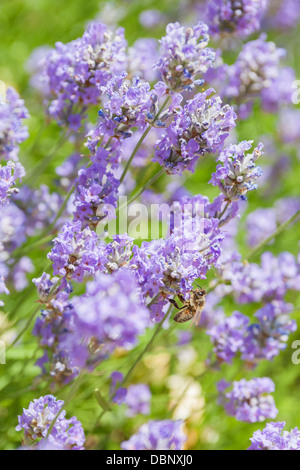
(192, 308)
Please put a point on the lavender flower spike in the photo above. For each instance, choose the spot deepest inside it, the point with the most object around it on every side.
(184, 56)
(157, 435)
(66, 434)
(238, 174)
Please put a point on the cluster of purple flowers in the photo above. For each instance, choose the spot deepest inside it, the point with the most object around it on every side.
(249, 401)
(74, 75)
(96, 185)
(128, 105)
(129, 285)
(55, 324)
(264, 339)
(184, 56)
(157, 435)
(240, 18)
(12, 130)
(111, 312)
(136, 397)
(66, 434)
(200, 128)
(237, 174)
(76, 253)
(9, 174)
(274, 437)
(267, 281)
(258, 73)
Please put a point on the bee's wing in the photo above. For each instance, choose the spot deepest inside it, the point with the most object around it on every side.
(196, 317)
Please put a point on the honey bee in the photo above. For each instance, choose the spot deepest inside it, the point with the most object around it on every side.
(191, 308)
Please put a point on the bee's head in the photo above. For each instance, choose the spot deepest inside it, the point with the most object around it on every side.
(200, 293)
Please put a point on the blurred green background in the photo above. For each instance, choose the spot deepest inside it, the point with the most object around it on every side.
(25, 25)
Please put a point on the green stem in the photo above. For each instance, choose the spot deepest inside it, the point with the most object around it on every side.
(38, 170)
(274, 235)
(60, 212)
(138, 359)
(71, 395)
(146, 132)
(147, 347)
(33, 316)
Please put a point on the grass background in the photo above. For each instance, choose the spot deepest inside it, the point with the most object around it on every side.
(25, 25)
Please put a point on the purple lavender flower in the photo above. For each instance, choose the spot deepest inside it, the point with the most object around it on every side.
(111, 312)
(75, 74)
(240, 18)
(9, 174)
(266, 338)
(257, 72)
(129, 104)
(238, 174)
(56, 323)
(66, 434)
(250, 282)
(40, 208)
(184, 56)
(283, 14)
(138, 399)
(250, 401)
(228, 336)
(171, 265)
(12, 129)
(95, 186)
(273, 437)
(157, 435)
(201, 127)
(76, 253)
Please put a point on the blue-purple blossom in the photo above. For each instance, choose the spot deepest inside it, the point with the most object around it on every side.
(129, 104)
(228, 336)
(95, 186)
(12, 130)
(40, 208)
(74, 75)
(201, 127)
(66, 434)
(267, 281)
(237, 174)
(138, 400)
(76, 253)
(258, 73)
(184, 56)
(171, 265)
(274, 437)
(283, 14)
(157, 435)
(9, 174)
(240, 18)
(250, 401)
(264, 339)
(269, 335)
(111, 312)
(56, 322)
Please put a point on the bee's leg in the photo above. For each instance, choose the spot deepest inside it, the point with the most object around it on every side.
(173, 302)
(181, 298)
